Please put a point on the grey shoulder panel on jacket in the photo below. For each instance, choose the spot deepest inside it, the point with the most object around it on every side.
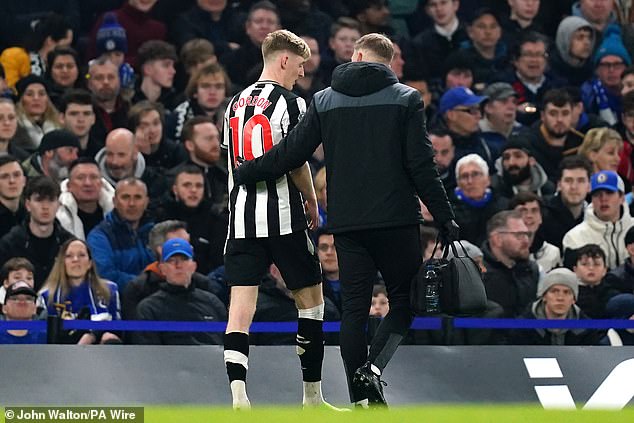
(394, 95)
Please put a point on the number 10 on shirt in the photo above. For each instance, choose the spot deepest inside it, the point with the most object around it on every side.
(247, 136)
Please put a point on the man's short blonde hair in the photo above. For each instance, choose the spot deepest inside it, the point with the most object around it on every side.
(282, 40)
(378, 45)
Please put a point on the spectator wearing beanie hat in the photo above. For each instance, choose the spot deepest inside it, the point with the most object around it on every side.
(58, 149)
(602, 94)
(36, 113)
(557, 293)
(518, 171)
(112, 42)
(139, 27)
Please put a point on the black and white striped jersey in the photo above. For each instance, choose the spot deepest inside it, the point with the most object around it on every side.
(256, 119)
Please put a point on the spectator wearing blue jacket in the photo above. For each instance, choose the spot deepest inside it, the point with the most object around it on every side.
(119, 242)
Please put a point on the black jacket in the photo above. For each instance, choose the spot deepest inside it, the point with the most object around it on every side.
(426, 54)
(514, 289)
(473, 220)
(556, 221)
(177, 303)
(20, 242)
(148, 282)
(243, 64)
(377, 153)
(208, 230)
(168, 155)
(621, 279)
(546, 155)
(593, 299)
(216, 182)
(8, 219)
(197, 23)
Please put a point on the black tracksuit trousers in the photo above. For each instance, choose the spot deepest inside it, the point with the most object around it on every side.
(396, 253)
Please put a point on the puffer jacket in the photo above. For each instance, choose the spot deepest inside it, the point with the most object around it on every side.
(607, 235)
(119, 251)
(67, 211)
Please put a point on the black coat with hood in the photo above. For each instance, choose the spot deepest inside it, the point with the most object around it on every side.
(377, 153)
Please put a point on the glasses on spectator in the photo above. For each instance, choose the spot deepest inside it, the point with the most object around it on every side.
(471, 175)
(611, 65)
(324, 248)
(518, 234)
(475, 111)
(534, 54)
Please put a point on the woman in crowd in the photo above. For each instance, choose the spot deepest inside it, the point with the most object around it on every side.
(62, 72)
(8, 129)
(36, 113)
(31, 58)
(73, 290)
(603, 147)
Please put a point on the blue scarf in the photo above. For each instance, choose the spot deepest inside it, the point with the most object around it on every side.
(478, 204)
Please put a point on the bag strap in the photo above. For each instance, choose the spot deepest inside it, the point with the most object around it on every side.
(454, 250)
(433, 253)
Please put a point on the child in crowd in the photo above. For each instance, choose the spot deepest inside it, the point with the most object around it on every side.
(15, 269)
(591, 268)
(380, 304)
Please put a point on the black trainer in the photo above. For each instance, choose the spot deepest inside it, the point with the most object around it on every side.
(366, 383)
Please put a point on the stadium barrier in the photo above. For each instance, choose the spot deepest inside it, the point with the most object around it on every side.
(118, 375)
(445, 330)
(420, 323)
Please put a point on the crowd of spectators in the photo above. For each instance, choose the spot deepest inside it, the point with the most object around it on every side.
(114, 187)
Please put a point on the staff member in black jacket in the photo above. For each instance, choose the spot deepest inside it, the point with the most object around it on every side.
(378, 158)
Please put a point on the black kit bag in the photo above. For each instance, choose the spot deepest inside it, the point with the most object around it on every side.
(450, 286)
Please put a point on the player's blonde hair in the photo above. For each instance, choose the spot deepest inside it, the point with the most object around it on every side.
(281, 40)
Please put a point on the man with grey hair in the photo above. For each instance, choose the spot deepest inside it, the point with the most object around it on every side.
(118, 243)
(374, 229)
(473, 199)
(149, 280)
(511, 278)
